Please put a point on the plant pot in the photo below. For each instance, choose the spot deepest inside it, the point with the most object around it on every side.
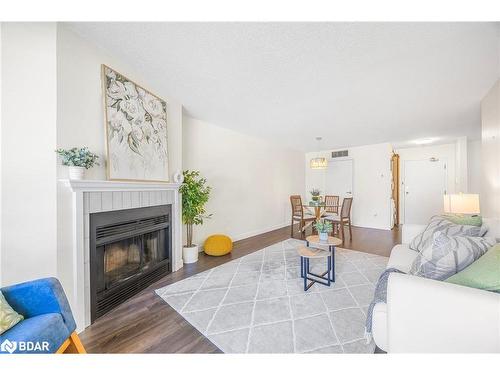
(76, 173)
(323, 236)
(315, 198)
(190, 254)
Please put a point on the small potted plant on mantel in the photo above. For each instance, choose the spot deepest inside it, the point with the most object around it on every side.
(195, 194)
(323, 227)
(78, 160)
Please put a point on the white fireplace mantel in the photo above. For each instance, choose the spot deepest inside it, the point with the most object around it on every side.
(99, 185)
(81, 198)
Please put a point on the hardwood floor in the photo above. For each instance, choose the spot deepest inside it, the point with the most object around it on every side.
(374, 241)
(146, 324)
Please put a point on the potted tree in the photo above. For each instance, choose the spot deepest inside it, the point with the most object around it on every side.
(78, 160)
(323, 227)
(195, 194)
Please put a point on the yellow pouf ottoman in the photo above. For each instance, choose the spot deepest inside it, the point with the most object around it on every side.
(218, 245)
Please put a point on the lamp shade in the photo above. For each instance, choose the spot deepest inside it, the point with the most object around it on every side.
(461, 203)
(318, 163)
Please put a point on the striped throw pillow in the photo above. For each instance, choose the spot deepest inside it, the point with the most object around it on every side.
(444, 225)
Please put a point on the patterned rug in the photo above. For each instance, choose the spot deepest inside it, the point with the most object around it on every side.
(256, 304)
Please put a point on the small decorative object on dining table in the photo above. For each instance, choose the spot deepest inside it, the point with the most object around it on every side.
(315, 195)
(323, 227)
(78, 160)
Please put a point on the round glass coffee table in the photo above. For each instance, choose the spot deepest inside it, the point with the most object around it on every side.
(315, 249)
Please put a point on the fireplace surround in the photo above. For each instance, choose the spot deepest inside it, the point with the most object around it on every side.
(129, 250)
(78, 200)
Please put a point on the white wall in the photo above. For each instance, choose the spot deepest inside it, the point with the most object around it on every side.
(371, 183)
(461, 165)
(251, 179)
(474, 167)
(28, 141)
(80, 122)
(80, 113)
(490, 157)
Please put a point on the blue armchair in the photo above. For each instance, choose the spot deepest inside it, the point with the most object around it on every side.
(48, 325)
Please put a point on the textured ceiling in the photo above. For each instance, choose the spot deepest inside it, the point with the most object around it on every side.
(351, 83)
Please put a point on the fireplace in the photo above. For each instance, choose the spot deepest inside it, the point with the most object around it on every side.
(129, 250)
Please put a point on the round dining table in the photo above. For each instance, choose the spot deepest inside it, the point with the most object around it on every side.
(320, 208)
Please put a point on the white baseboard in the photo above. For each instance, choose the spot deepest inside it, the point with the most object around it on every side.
(245, 235)
(369, 226)
(259, 231)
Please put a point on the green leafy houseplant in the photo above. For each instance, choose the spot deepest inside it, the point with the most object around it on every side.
(78, 157)
(323, 226)
(195, 194)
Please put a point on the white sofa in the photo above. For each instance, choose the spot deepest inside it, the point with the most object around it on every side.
(429, 316)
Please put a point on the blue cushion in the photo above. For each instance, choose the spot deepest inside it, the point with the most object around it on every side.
(48, 328)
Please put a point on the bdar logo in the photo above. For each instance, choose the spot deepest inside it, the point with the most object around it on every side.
(8, 346)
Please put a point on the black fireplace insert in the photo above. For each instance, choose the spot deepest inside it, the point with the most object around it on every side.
(129, 250)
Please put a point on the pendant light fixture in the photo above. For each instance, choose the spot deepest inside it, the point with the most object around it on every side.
(318, 163)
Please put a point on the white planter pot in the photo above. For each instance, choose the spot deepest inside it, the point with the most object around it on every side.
(76, 173)
(323, 236)
(190, 254)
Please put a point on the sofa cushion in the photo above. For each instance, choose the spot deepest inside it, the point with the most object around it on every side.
(475, 220)
(447, 255)
(43, 334)
(444, 225)
(402, 258)
(8, 317)
(484, 273)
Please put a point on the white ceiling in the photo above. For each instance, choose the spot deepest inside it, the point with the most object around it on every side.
(352, 83)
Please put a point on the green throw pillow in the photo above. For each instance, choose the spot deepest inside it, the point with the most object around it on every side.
(8, 317)
(474, 220)
(484, 273)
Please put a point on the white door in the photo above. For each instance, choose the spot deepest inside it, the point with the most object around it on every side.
(424, 183)
(339, 179)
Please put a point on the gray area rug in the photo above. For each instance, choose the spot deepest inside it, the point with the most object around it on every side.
(256, 304)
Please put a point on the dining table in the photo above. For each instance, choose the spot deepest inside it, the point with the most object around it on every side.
(319, 209)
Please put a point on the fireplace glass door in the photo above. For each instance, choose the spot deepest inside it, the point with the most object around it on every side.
(122, 259)
(153, 251)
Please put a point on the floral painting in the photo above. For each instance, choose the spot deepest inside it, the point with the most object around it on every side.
(136, 130)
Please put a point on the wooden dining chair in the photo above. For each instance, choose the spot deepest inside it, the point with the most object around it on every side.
(299, 215)
(340, 221)
(331, 205)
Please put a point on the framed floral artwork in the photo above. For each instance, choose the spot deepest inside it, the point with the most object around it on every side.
(136, 130)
